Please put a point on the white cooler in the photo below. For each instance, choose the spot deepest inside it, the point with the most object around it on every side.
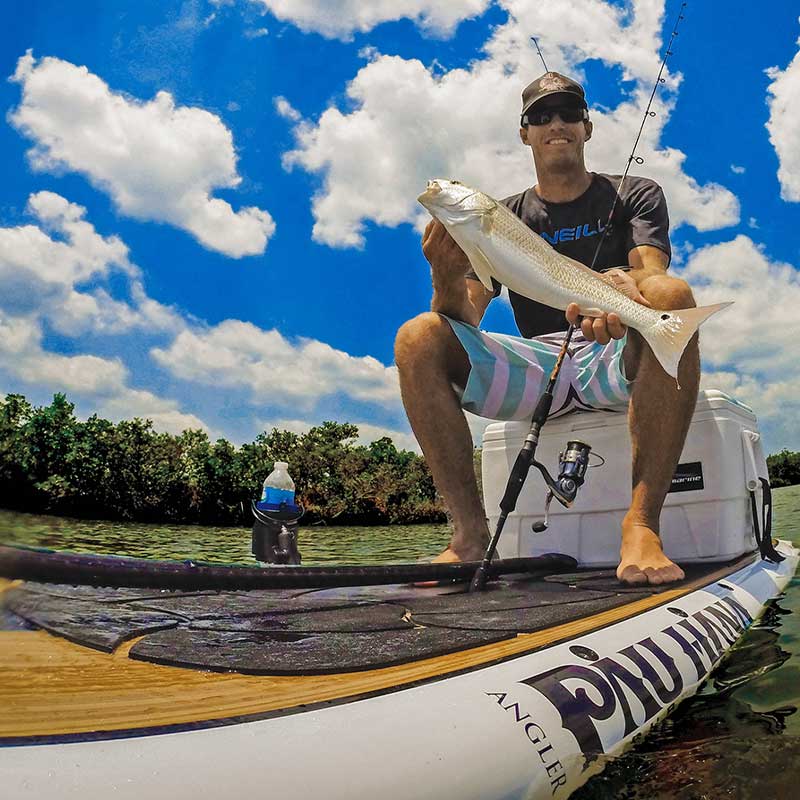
(706, 516)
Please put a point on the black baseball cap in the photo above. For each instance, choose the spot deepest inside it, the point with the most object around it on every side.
(549, 84)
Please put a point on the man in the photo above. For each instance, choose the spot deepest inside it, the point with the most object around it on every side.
(445, 363)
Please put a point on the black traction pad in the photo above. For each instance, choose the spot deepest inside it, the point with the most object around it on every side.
(302, 632)
(304, 654)
(356, 619)
(605, 580)
(523, 619)
(506, 595)
(102, 626)
(238, 605)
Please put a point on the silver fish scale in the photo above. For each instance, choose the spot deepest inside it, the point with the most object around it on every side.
(561, 280)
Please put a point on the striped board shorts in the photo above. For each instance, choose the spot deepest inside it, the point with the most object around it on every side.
(509, 373)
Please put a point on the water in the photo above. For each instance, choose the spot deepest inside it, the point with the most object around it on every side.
(739, 737)
(319, 544)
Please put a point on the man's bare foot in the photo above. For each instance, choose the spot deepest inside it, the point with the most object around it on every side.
(642, 559)
(450, 556)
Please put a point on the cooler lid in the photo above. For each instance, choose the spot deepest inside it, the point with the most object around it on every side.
(714, 399)
(707, 400)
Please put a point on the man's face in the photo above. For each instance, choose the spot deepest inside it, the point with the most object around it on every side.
(556, 144)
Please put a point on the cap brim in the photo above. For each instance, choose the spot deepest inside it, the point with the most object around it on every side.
(578, 100)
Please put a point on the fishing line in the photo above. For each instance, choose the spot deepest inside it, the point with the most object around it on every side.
(525, 458)
(648, 112)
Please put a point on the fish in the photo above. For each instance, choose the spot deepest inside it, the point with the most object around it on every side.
(500, 245)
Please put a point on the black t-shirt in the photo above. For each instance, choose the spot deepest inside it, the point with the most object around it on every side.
(574, 229)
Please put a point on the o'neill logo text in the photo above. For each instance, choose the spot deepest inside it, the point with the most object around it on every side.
(571, 234)
(703, 638)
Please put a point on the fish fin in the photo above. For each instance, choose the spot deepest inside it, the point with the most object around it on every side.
(487, 220)
(482, 267)
(485, 213)
(592, 312)
(460, 219)
(670, 335)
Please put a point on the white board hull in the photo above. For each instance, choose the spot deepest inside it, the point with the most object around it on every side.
(538, 725)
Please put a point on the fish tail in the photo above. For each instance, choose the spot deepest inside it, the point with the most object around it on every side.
(671, 333)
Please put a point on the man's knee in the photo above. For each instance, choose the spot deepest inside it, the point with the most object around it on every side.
(428, 341)
(419, 336)
(667, 292)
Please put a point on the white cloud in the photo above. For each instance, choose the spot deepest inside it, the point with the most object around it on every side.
(784, 97)
(158, 161)
(45, 268)
(273, 369)
(53, 272)
(342, 18)
(571, 31)
(83, 253)
(753, 333)
(736, 169)
(49, 272)
(22, 356)
(409, 122)
(286, 110)
(367, 433)
(101, 383)
(164, 413)
(749, 350)
(776, 404)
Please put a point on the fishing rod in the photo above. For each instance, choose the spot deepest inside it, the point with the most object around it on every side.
(575, 459)
(536, 42)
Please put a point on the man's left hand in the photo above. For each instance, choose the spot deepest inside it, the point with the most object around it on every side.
(609, 326)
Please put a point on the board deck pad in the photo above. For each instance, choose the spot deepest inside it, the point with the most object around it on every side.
(304, 654)
(524, 620)
(216, 605)
(302, 632)
(86, 622)
(605, 580)
(356, 619)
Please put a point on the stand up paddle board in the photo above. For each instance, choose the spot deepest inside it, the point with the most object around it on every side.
(114, 686)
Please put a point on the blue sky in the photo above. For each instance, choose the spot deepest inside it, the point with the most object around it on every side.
(207, 215)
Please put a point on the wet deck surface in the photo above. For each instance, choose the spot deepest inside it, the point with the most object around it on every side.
(291, 632)
(80, 663)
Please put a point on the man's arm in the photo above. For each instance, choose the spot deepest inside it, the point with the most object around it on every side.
(645, 261)
(453, 294)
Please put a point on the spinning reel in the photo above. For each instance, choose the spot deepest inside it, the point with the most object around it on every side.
(573, 462)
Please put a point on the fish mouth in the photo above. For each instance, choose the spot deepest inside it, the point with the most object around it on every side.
(431, 190)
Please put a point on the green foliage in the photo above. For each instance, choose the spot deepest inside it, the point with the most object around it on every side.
(784, 468)
(51, 462)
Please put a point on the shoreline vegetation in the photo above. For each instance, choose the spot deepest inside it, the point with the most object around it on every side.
(52, 463)
(784, 469)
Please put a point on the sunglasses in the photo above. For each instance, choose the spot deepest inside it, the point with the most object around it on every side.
(568, 114)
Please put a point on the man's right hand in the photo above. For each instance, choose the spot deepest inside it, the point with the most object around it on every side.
(448, 261)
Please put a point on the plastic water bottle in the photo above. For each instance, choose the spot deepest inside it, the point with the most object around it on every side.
(278, 488)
